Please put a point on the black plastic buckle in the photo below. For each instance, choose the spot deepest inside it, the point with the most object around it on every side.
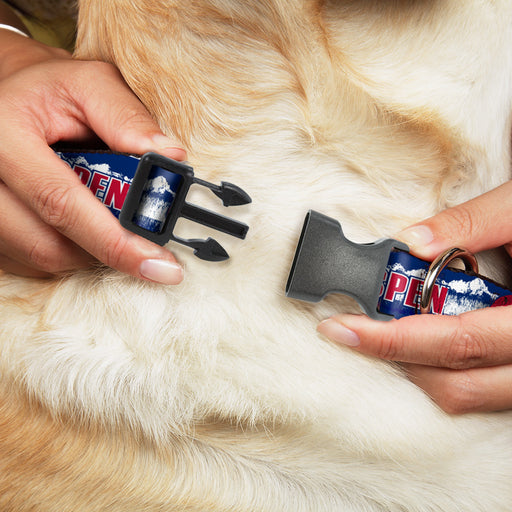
(157, 198)
(326, 262)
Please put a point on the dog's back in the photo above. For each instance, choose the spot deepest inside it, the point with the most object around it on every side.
(218, 394)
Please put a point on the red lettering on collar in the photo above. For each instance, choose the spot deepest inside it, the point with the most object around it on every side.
(411, 287)
(439, 294)
(397, 285)
(83, 173)
(99, 182)
(116, 194)
(412, 299)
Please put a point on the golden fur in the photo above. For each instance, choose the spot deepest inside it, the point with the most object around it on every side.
(217, 394)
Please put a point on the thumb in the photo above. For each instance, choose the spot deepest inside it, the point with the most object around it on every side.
(119, 118)
(476, 225)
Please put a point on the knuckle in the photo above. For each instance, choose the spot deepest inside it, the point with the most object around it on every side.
(128, 119)
(133, 116)
(460, 220)
(114, 252)
(460, 394)
(80, 85)
(465, 348)
(52, 202)
(44, 258)
(388, 347)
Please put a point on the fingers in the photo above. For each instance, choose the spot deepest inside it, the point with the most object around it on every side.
(14, 267)
(116, 115)
(67, 100)
(476, 225)
(459, 392)
(26, 242)
(43, 105)
(463, 362)
(60, 200)
(474, 339)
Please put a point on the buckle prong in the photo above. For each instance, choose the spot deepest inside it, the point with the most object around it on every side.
(156, 199)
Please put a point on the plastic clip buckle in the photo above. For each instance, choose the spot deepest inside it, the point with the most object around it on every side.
(326, 262)
(156, 200)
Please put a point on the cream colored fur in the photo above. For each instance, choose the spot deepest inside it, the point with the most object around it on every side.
(217, 394)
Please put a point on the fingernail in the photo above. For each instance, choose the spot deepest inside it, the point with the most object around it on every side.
(161, 271)
(164, 143)
(416, 237)
(338, 333)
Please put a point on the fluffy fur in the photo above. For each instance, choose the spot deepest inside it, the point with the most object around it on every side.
(217, 394)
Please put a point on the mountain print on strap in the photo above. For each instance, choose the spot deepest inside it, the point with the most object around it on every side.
(148, 195)
(454, 292)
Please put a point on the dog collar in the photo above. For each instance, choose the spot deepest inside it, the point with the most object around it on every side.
(148, 196)
(385, 279)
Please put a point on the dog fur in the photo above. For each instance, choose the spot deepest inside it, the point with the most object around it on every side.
(217, 394)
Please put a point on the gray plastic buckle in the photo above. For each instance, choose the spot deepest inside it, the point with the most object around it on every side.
(326, 262)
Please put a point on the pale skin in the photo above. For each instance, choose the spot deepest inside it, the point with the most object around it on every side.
(51, 223)
(463, 362)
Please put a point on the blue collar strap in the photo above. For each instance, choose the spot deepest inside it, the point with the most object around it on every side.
(148, 195)
(454, 291)
(384, 278)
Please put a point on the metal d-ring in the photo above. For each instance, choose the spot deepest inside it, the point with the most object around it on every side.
(437, 266)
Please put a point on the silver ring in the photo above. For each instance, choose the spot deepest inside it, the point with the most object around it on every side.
(437, 266)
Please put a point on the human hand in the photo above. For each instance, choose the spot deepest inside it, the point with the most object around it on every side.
(463, 362)
(50, 222)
